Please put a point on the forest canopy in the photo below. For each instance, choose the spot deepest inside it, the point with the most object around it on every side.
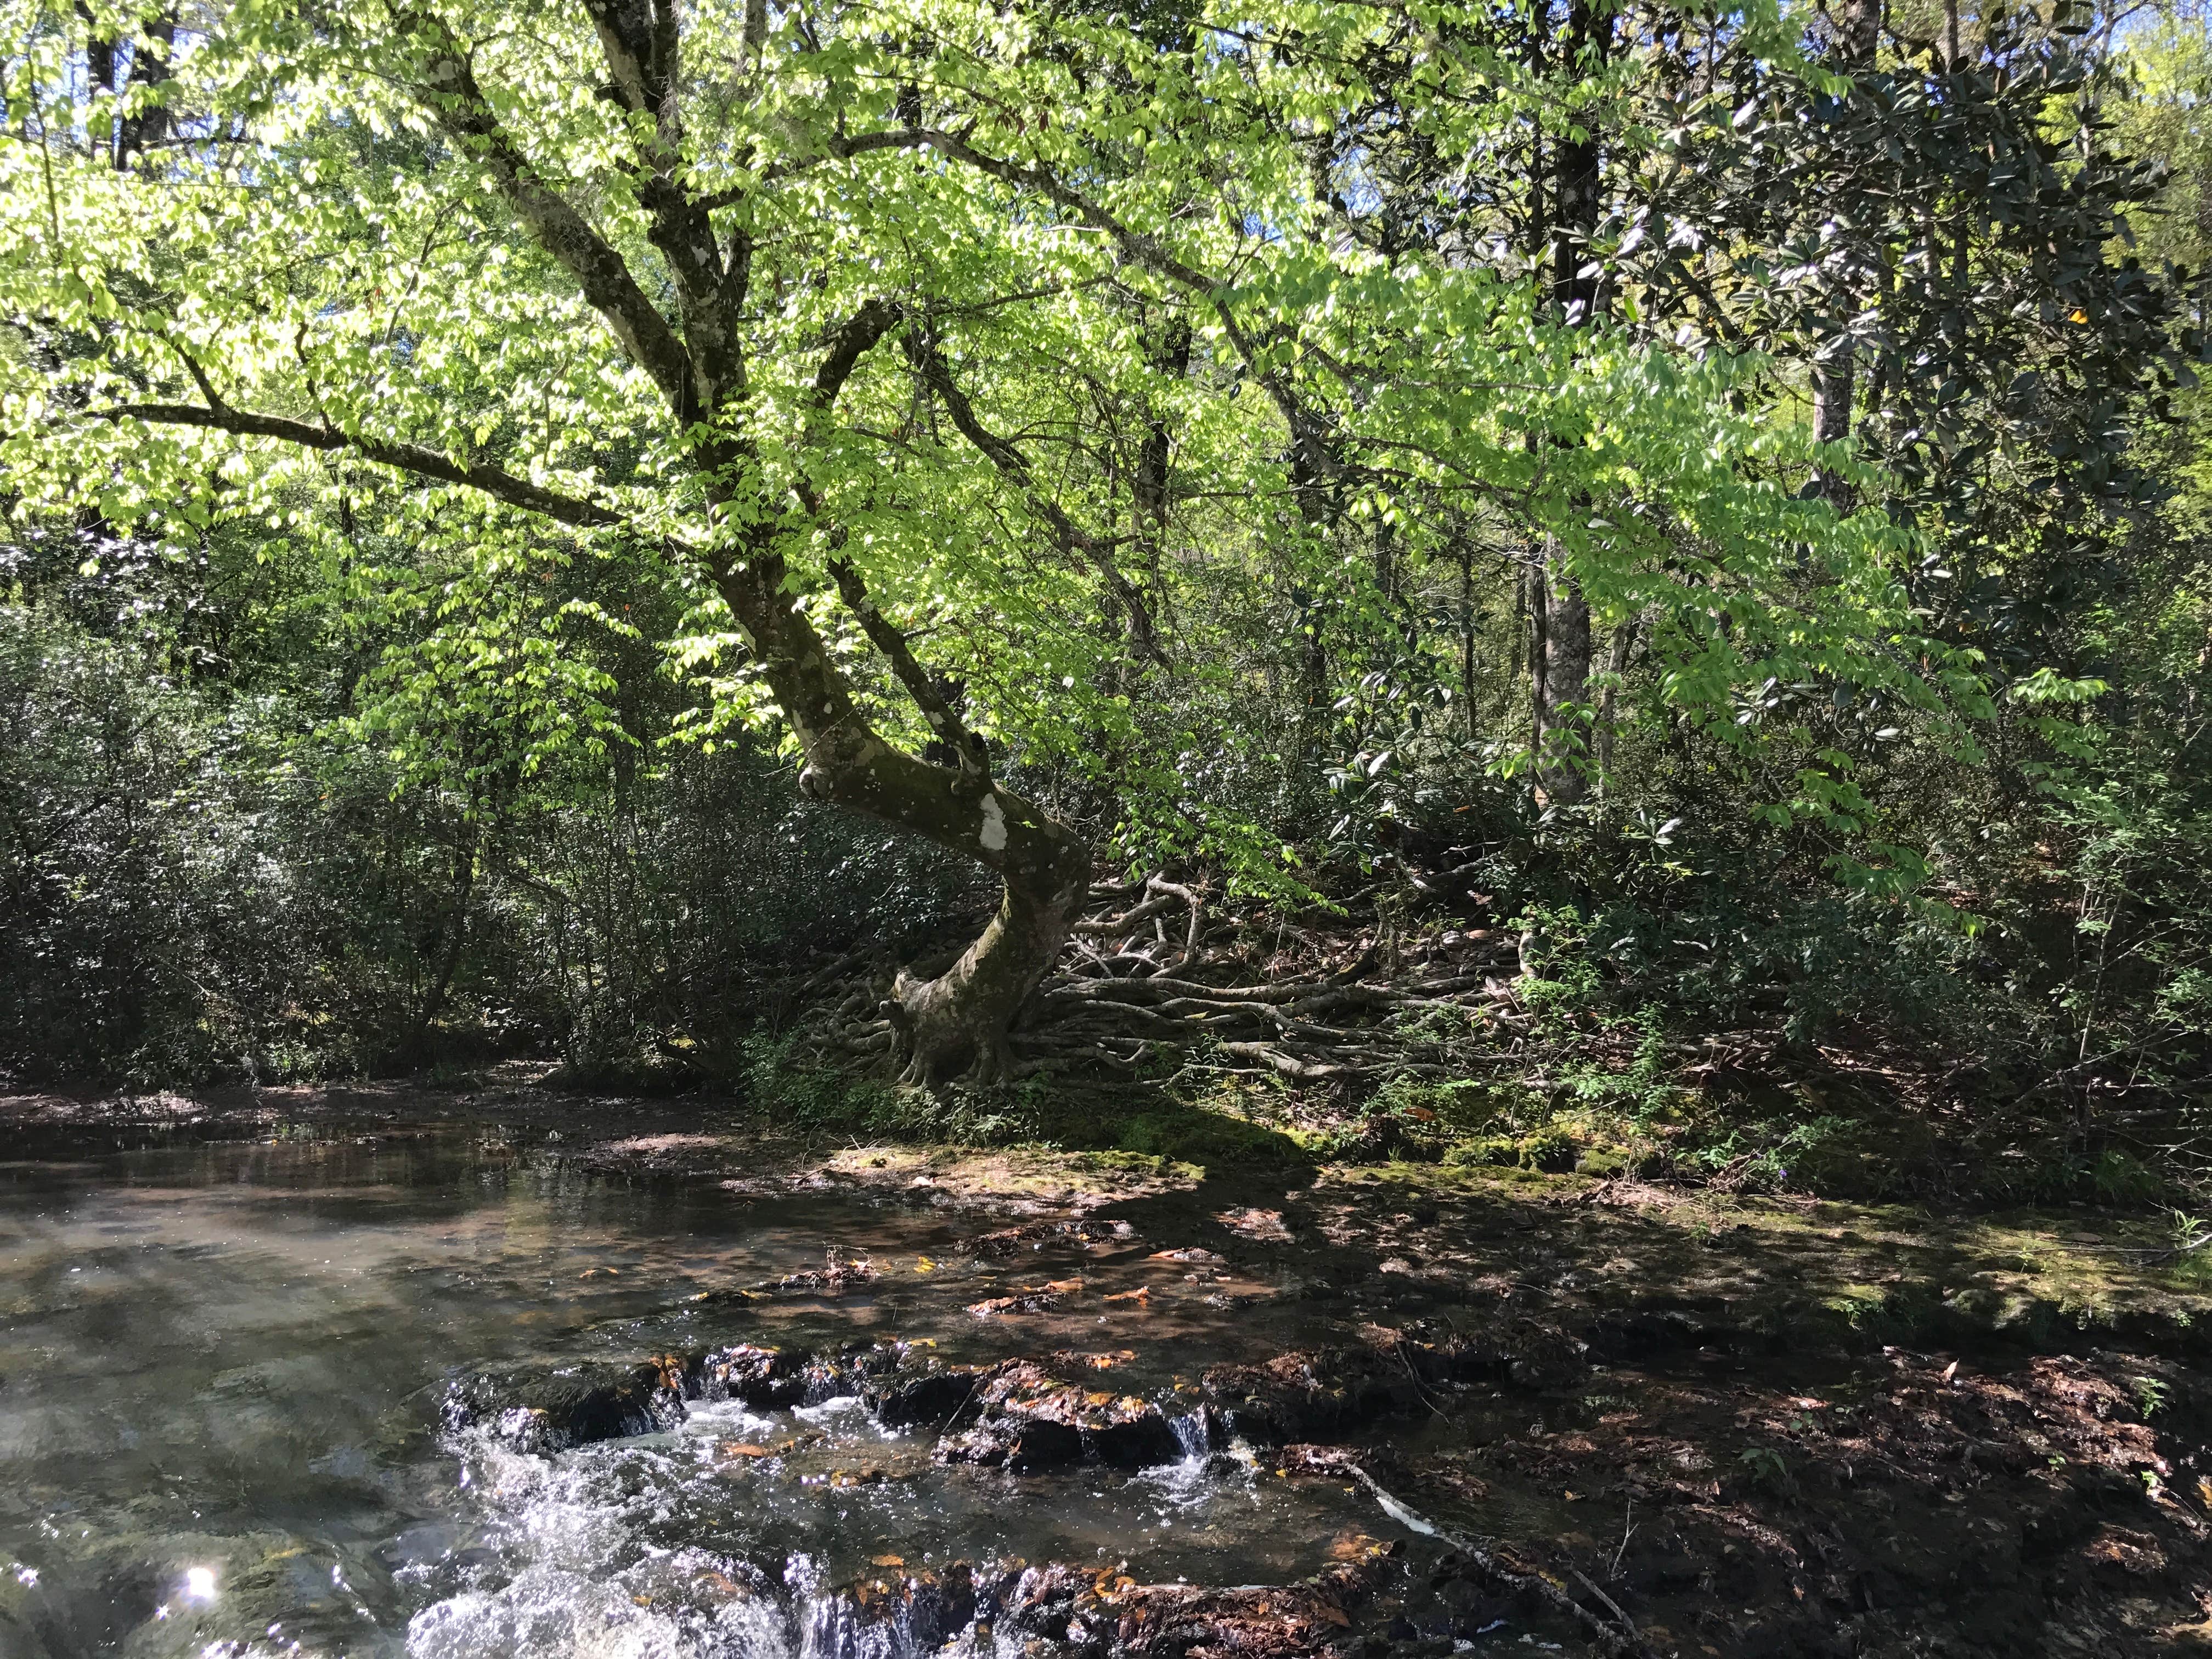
(523, 518)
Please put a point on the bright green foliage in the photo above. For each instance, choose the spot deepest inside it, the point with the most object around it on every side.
(1235, 386)
(334, 259)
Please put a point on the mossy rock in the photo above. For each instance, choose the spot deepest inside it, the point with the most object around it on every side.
(1208, 1138)
(1483, 1151)
(1552, 1150)
(1602, 1161)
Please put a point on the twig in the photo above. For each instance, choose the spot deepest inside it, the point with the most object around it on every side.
(1617, 1642)
(1614, 1607)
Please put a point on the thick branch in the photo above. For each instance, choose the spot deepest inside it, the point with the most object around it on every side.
(640, 42)
(407, 457)
(850, 343)
(454, 97)
(888, 638)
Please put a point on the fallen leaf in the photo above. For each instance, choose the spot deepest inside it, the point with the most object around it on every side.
(924, 1265)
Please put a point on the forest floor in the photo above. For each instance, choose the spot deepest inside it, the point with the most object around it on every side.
(1635, 1417)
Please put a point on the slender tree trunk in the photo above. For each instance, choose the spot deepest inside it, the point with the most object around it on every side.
(146, 129)
(1467, 635)
(1616, 664)
(453, 937)
(1539, 602)
(98, 67)
(1562, 685)
(1857, 27)
(1562, 761)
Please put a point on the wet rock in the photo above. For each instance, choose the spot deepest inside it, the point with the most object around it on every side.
(756, 1375)
(835, 1279)
(1322, 1395)
(1104, 1612)
(1303, 1396)
(1337, 1462)
(1026, 1302)
(1028, 1418)
(1004, 1442)
(572, 1407)
(941, 1397)
(1008, 1240)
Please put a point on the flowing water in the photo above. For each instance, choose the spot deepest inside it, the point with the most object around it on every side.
(221, 1365)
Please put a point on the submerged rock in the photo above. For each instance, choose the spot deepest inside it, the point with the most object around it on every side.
(747, 1372)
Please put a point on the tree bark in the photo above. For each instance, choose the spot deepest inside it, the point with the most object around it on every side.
(1857, 27)
(1562, 663)
(1564, 757)
(138, 133)
(452, 939)
(954, 1024)
(1616, 664)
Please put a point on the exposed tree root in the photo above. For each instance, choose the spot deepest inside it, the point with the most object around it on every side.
(1158, 973)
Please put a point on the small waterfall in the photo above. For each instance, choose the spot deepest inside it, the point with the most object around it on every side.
(1194, 1435)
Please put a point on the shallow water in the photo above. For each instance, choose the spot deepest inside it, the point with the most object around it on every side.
(220, 1365)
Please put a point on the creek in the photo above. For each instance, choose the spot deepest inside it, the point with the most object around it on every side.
(222, 1366)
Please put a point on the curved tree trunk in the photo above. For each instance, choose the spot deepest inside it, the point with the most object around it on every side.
(954, 1025)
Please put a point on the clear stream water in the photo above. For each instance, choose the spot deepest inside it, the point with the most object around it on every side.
(221, 1364)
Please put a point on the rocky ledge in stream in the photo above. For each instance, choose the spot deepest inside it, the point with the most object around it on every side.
(1608, 1426)
(1019, 1413)
(1686, 1502)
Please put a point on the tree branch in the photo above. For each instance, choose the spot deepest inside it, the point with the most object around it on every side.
(1015, 467)
(850, 343)
(642, 44)
(887, 637)
(452, 96)
(406, 458)
(1316, 458)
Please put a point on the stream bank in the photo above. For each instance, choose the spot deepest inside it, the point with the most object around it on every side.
(552, 1376)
